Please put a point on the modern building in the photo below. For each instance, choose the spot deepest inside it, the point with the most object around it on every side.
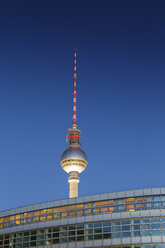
(130, 219)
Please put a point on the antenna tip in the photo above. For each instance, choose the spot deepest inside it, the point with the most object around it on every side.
(75, 49)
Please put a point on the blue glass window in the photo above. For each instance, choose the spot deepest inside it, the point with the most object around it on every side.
(146, 233)
(125, 222)
(116, 235)
(156, 198)
(116, 228)
(106, 229)
(126, 234)
(80, 226)
(116, 223)
(155, 219)
(156, 204)
(163, 198)
(145, 226)
(147, 220)
(136, 221)
(136, 227)
(156, 226)
(106, 223)
(99, 224)
(136, 233)
(156, 232)
(89, 225)
(126, 228)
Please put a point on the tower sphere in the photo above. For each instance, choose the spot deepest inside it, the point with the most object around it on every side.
(74, 159)
(74, 153)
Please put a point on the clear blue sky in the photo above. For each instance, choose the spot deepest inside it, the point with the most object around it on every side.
(121, 96)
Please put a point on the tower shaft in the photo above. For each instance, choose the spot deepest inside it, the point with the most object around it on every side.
(73, 184)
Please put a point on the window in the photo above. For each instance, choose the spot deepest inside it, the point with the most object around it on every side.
(104, 209)
(156, 226)
(136, 227)
(50, 210)
(146, 232)
(139, 202)
(126, 234)
(79, 212)
(36, 218)
(64, 214)
(125, 228)
(98, 236)
(80, 232)
(116, 228)
(50, 217)
(96, 204)
(107, 229)
(80, 238)
(145, 226)
(71, 207)
(12, 217)
(43, 211)
(156, 232)
(79, 206)
(98, 230)
(107, 235)
(136, 233)
(129, 203)
(116, 235)
(43, 217)
(36, 213)
(104, 203)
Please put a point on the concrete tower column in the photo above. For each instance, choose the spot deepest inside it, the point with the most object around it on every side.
(73, 184)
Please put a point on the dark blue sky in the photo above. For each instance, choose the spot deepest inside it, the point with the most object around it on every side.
(121, 96)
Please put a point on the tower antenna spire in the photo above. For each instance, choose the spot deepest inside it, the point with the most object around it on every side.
(74, 119)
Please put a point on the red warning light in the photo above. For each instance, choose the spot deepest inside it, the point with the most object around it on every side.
(74, 136)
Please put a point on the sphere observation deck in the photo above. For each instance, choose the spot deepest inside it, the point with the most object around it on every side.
(74, 159)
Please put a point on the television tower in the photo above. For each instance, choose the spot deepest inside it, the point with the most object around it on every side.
(74, 159)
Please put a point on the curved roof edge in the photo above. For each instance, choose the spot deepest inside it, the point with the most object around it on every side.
(81, 199)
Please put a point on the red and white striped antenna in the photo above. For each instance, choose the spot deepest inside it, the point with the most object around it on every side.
(74, 123)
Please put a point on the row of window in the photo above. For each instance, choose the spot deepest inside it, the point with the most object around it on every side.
(91, 208)
(83, 232)
(137, 246)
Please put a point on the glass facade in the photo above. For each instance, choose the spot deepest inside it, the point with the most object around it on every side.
(83, 209)
(136, 246)
(116, 229)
